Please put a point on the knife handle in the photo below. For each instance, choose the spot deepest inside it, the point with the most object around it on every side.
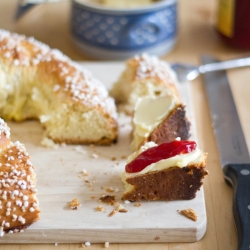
(239, 177)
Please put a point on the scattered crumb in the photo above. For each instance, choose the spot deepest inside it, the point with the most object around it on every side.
(85, 172)
(95, 156)
(118, 208)
(124, 157)
(48, 143)
(114, 211)
(74, 204)
(63, 144)
(100, 208)
(127, 202)
(110, 190)
(157, 238)
(87, 244)
(79, 149)
(113, 158)
(123, 210)
(109, 199)
(92, 197)
(106, 244)
(138, 205)
(189, 213)
(117, 190)
(56, 244)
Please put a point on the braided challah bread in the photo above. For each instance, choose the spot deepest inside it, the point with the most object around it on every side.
(18, 202)
(42, 83)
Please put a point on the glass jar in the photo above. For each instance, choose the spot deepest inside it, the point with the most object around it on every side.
(233, 23)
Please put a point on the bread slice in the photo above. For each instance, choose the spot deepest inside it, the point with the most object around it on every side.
(18, 201)
(144, 75)
(173, 179)
(159, 119)
(41, 83)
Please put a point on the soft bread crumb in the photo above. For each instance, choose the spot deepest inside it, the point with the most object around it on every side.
(110, 190)
(48, 143)
(109, 199)
(79, 149)
(95, 156)
(85, 172)
(74, 204)
(118, 208)
(189, 213)
(106, 244)
(100, 208)
(138, 205)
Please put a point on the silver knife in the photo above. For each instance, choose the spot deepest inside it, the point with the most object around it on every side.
(234, 154)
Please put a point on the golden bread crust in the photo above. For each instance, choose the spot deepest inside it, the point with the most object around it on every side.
(35, 65)
(174, 125)
(144, 76)
(18, 202)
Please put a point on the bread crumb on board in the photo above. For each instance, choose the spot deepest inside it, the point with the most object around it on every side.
(74, 204)
(100, 208)
(106, 244)
(109, 199)
(48, 143)
(137, 205)
(189, 213)
(118, 208)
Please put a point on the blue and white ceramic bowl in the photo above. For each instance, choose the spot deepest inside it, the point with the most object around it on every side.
(117, 34)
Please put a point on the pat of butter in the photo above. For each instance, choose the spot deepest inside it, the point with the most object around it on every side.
(150, 112)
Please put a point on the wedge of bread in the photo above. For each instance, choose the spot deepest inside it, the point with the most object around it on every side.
(144, 76)
(176, 178)
(42, 83)
(159, 119)
(19, 206)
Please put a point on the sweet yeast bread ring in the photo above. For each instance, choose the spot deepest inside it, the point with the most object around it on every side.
(144, 76)
(42, 83)
(18, 201)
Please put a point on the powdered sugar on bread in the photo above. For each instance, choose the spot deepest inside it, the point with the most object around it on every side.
(18, 203)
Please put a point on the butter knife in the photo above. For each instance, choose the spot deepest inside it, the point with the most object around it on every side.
(234, 154)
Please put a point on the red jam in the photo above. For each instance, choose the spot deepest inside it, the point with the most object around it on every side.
(160, 152)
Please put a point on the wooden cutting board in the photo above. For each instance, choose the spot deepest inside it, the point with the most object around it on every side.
(61, 178)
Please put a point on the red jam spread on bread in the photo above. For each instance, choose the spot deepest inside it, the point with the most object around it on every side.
(160, 152)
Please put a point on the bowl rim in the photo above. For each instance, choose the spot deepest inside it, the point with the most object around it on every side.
(148, 8)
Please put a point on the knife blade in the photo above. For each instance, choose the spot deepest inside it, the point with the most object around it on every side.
(234, 154)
